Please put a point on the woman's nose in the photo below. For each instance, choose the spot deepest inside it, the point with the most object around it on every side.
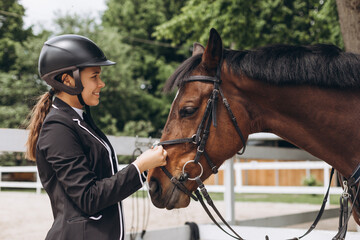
(101, 84)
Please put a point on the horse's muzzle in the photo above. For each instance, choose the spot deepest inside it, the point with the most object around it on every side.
(155, 192)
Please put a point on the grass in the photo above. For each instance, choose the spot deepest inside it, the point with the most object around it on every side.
(281, 198)
(244, 197)
(32, 190)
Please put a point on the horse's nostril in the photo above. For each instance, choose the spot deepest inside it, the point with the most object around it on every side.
(154, 186)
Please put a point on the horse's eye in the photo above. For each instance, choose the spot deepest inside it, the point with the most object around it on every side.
(187, 111)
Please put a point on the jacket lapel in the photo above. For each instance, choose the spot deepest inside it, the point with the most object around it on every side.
(61, 105)
(98, 135)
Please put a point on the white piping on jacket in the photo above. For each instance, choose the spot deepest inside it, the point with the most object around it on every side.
(112, 170)
(96, 218)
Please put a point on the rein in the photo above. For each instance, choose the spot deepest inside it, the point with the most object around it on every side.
(200, 138)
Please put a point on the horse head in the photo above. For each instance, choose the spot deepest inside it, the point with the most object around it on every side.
(189, 115)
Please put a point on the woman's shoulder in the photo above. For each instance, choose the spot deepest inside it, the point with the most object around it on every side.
(57, 127)
(59, 121)
(57, 116)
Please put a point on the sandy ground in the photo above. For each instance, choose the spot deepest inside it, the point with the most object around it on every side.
(25, 216)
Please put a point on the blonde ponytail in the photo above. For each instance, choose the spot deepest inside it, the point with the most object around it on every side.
(37, 116)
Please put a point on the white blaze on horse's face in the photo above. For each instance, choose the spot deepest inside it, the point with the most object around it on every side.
(172, 104)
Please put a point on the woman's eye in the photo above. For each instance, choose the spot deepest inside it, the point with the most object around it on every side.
(187, 111)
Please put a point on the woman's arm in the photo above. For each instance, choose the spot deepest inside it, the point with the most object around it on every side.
(61, 147)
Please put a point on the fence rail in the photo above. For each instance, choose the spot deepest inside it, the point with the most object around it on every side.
(13, 140)
(238, 188)
(22, 184)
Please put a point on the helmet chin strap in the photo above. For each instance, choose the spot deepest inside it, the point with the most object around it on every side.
(81, 100)
(78, 85)
(76, 74)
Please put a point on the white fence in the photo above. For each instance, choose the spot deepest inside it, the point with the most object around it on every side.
(18, 184)
(239, 187)
(13, 140)
(23, 184)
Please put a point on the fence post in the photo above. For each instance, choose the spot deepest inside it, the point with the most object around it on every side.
(38, 183)
(229, 191)
(238, 176)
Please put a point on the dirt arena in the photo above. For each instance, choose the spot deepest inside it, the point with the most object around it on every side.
(25, 216)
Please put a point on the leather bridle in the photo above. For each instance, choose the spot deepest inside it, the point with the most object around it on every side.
(199, 139)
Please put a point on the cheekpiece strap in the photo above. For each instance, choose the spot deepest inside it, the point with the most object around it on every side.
(355, 177)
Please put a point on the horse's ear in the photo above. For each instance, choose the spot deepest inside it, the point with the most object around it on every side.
(213, 51)
(198, 48)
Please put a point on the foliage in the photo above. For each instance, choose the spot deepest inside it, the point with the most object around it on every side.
(20, 86)
(11, 32)
(17, 66)
(140, 128)
(135, 94)
(249, 24)
(14, 159)
(148, 39)
(311, 181)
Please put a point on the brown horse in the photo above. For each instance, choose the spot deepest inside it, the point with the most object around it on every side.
(308, 95)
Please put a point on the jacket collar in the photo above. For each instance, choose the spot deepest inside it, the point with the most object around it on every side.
(63, 106)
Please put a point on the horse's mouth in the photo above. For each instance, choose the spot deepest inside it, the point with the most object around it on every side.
(172, 198)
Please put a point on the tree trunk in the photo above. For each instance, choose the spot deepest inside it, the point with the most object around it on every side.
(349, 17)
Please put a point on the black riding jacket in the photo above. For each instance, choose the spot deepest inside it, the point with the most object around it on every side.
(79, 173)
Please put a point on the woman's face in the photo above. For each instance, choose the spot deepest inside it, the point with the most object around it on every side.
(91, 81)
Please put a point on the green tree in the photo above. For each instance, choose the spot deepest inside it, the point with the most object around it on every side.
(143, 63)
(18, 63)
(135, 21)
(249, 24)
(11, 32)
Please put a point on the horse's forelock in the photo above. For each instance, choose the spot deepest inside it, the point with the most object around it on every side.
(182, 73)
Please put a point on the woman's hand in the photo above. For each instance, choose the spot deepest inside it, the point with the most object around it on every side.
(151, 158)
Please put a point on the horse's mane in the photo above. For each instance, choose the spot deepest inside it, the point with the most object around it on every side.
(321, 65)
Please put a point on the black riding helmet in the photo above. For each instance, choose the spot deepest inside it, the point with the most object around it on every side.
(69, 53)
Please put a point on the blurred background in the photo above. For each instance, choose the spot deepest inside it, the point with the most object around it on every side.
(148, 39)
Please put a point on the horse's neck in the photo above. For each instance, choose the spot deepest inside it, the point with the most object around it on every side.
(322, 122)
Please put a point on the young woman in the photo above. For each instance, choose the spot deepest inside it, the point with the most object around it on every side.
(76, 162)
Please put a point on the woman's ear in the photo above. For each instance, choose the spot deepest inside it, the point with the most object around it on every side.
(68, 80)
